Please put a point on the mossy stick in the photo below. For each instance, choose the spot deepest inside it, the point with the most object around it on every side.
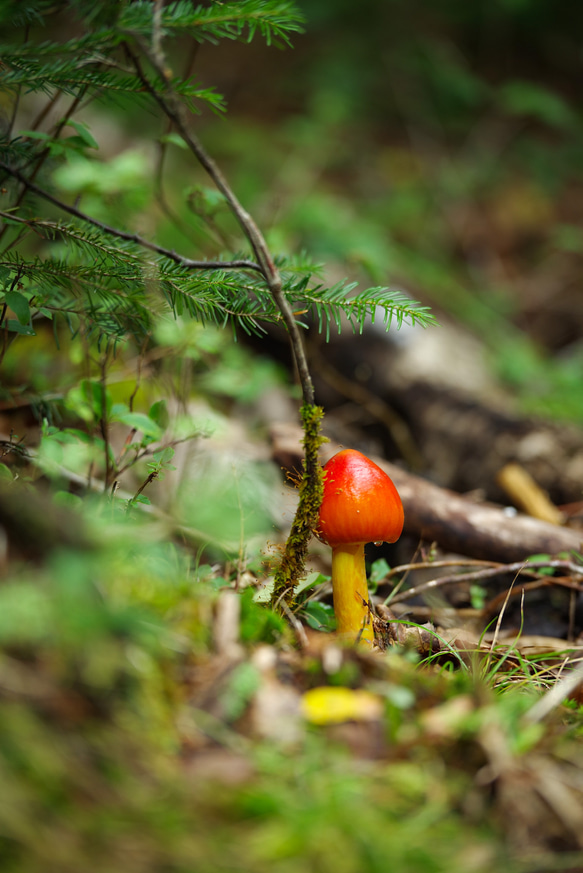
(291, 566)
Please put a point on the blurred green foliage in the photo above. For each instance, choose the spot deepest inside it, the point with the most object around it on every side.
(94, 722)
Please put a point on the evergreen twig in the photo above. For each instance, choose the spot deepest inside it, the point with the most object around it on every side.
(172, 107)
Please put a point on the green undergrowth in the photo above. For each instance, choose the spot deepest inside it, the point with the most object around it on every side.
(127, 739)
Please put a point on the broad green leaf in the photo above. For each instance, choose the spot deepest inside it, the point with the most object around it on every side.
(141, 498)
(264, 592)
(19, 305)
(16, 327)
(378, 570)
(139, 421)
(310, 581)
(320, 616)
(158, 412)
(164, 456)
(95, 394)
(5, 473)
(86, 400)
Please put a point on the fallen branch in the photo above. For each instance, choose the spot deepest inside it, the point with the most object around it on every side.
(456, 523)
(479, 530)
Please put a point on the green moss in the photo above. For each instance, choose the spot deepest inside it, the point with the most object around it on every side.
(291, 567)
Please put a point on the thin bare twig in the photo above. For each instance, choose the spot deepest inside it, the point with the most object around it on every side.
(147, 481)
(485, 572)
(433, 565)
(103, 421)
(494, 641)
(538, 583)
(157, 30)
(296, 624)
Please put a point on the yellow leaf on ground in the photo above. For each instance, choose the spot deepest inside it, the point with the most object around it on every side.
(327, 705)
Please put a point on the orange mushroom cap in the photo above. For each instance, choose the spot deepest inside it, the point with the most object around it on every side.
(360, 502)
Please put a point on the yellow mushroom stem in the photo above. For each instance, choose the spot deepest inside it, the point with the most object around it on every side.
(350, 592)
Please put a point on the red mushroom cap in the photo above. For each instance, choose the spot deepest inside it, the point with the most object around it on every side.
(360, 503)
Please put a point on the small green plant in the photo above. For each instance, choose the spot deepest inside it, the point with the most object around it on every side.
(157, 468)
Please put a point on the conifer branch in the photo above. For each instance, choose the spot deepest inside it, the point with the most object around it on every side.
(240, 264)
(174, 110)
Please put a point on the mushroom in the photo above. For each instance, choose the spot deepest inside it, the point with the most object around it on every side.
(360, 505)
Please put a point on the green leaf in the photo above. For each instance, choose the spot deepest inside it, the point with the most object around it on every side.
(320, 616)
(264, 592)
(527, 98)
(138, 421)
(378, 570)
(95, 394)
(19, 305)
(5, 474)
(174, 139)
(158, 412)
(542, 571)
(258, 624)
(478, 596)
(16, 327)
(87, 400)
(310, 581)
(35, 134)
(84, 134)
(164, 456)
